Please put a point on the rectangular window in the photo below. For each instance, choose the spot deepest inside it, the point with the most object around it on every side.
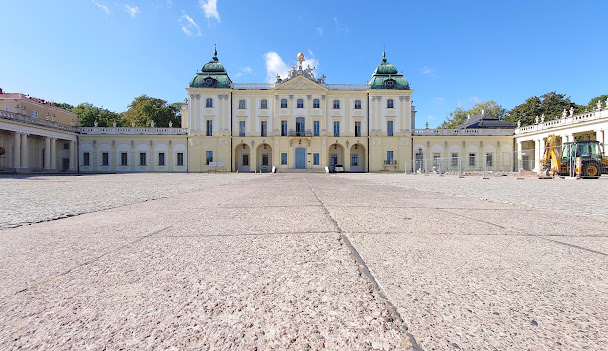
(436, 157)
(35, 114)
(389, 128)
(315, 103)
(336, 128)
(334, 160)
(124, 160)
(454, 159)
(472, 160)
(105, 159)
(241, 104)
(316, 126)
(180, 158)
(354, 160)
(358, 129)
(315, 158)
(283, 103)
(66, 146)
(264, 104)
(209, 127)
(264, 160)
(389, 157)
(283, 128)
(245, 160)
(142, 158)
(263, 128)
(86, 159)
(283, 158)
(209, 157)
(161, 158)
(242, 128)
(489, 160)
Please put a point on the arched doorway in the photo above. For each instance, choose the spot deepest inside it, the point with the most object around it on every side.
(335, 156)
(264, 155)
(357, 158)
(242, 158)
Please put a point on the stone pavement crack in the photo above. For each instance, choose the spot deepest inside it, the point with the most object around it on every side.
(93, 260)
(364, 269)
(574, 246)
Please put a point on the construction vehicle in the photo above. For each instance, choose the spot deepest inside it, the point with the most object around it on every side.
(581, 159)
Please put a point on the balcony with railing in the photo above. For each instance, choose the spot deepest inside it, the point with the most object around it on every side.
(270, 86)
(307, 134)
(564, 121)
(392, 162)
(132, 130)
(18, 117)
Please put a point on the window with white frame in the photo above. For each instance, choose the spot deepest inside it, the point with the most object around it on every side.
(242, 104)
(358, 128)
(316, 126)
(300, 103)
(209, 131)
(180, 158)
(241, 128)
(315, 103)
(209, 102)
(357, 104)
(105, 159)
(354, 160)
(34, 113)
(454, 159)
(472, 159)
(389, 128)
(336, 128)
(283, 103)
(489, 160)
(315, 158)
(264, 104)
(336, 104)
(161, 158)
(263, 128)
(124, 159)
(389, 103)
(436, 159)
(142, 159)
(208, 157)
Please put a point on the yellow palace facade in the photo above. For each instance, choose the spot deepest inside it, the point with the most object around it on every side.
(298, 123)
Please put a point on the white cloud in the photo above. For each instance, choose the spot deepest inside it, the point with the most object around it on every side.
(247, 69)
(210, 9)
(319, 30)
(189, 27)
(169, 3)
(131, 10)
(238, 75)
(340, 27)
(427, 70)
(101, 6)
(274, 65)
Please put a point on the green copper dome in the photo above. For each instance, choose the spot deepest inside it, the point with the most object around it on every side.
(386, 76)
(213, 75)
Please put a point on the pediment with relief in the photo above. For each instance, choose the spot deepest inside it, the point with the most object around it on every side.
(300, 83)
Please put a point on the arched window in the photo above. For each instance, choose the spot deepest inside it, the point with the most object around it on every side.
(357, 104)
(389, 103)
(336, 103)
(300, 103)
(209, 103)
(283, 103)
(264, 104)
(315, 103)
(241, 104)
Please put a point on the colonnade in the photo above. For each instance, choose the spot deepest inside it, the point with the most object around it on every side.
(21, 153)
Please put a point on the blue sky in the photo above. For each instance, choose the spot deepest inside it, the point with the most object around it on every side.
(453, 53)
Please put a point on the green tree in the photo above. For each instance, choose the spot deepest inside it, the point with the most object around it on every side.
(593, 102)
(550, 104)
(63, 105)
(88, 114)
(459, 115)
(144, 110)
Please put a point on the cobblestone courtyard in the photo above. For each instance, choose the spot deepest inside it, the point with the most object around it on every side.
(302, 261)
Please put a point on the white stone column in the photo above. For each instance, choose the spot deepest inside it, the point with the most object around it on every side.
(24, 151)
(72, 156)
(17, 151)
(47, 153)
(536, 154)
(519, 156)
(53, 164)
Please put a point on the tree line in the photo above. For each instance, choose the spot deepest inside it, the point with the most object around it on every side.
(140, 113)
(550, 105)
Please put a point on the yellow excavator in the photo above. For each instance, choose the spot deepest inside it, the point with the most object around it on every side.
(583, 159)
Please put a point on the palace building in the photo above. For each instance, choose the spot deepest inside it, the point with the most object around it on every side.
(298, 123)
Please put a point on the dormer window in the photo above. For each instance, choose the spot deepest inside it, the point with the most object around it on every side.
(390, 83)
(209, 81)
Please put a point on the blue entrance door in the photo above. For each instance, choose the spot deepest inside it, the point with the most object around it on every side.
(300, 157)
